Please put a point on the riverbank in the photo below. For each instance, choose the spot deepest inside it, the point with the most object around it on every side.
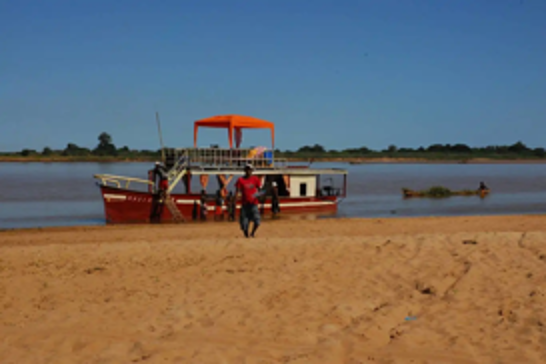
(67, 159)
(375, 160)
(452, 290)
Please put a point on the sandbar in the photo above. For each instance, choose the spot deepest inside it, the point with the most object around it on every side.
(401, 290)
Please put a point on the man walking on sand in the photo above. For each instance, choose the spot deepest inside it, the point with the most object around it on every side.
(248, 186)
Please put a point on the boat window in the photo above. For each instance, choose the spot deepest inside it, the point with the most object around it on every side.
(303, 189)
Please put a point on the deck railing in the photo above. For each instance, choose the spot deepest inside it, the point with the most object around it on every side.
(223, 158)
(117, 181)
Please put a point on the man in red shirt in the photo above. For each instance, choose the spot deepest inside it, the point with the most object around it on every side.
(248, 186)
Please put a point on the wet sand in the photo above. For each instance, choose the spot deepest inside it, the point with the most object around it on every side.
(416, 290)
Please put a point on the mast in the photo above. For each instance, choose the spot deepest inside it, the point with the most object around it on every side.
(160, 137)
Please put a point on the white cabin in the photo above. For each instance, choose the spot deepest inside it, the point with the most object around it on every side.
(303, 186)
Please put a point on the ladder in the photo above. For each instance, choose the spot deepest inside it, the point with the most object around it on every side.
(178, 166)
(177, 216)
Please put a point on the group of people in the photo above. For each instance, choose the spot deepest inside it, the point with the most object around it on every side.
(248, 187)
(220, 202)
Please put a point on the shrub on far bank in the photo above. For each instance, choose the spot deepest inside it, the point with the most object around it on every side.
(436, 152)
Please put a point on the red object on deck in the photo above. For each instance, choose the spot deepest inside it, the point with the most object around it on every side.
(123, 206)
(164, 184)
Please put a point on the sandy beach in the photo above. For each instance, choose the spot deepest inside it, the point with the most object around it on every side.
(416, 290)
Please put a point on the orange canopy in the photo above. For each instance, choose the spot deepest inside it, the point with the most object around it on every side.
(233, 122)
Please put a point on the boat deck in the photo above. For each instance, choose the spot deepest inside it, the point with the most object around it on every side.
(233, 161)
(301, 171)
(222, 158)
(216, 161)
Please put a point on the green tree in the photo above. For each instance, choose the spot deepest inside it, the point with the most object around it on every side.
(357, 151)
(518, 147)
(315, 149)
(435, 148)
(28, 152)
(75, 151)
(105, 147)
(539, 152)
(392, 148)
(105, 139)
(47, 151)
(124, 150)
(460, 148)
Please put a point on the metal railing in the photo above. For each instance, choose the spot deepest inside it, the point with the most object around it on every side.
(223, 158)
(177, 164)
(117, 181)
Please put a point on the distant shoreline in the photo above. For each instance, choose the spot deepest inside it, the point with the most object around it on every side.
(349, 160)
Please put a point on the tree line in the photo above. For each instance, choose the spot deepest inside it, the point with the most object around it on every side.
(107, 148)
(518, 149)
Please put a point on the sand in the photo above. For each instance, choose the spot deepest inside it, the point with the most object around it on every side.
(329, 291)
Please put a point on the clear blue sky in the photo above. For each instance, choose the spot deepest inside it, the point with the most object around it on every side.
(339, 73)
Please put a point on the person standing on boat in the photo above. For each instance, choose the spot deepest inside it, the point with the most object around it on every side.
(203, 203)
(275, 199)
(160, 173)
(483, 187)
(248, 186)
(231, 205)
(219, 211)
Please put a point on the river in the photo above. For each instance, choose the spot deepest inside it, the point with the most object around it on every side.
(65, 194)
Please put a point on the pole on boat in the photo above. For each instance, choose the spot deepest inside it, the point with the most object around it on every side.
(160, 137)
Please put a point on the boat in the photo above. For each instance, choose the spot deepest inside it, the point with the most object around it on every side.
(301, 189)
(439, 192)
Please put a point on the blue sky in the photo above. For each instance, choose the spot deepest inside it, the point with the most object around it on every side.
(339, 73)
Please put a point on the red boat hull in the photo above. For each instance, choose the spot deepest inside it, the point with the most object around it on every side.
(123, 206)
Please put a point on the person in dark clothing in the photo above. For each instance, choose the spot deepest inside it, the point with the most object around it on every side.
(160, 189)
(195, 211)
(219, 210)
(483, 187)
(275, 208)
(161, 178)
(203, 209)
(156, 210)
(231, 206)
